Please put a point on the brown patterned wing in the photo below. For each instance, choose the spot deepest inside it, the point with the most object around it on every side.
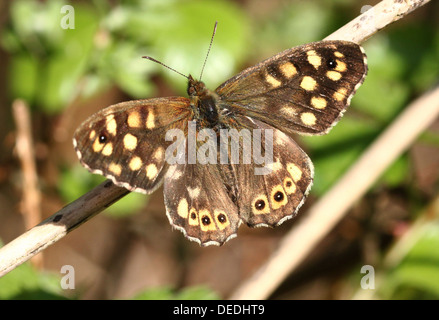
(126, 142)
(273, 186)
(304, 90)
(199, 204)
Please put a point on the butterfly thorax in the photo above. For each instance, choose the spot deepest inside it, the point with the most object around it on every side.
(203, 103)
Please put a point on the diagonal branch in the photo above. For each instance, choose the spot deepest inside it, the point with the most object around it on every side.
(59, 224)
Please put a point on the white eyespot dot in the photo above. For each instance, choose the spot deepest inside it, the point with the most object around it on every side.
(158, 154)
(221, 218)
(341, 66)
(111, 125)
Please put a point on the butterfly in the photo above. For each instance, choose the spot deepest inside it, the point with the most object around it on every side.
(227, 156)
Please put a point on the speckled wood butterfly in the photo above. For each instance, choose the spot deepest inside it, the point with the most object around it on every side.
(303, 90)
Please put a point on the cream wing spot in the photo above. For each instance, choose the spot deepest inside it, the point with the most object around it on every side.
(151, 171)
(308, 83)
(221, 219)
(341, 66)
(135, 163)
(333, 75)
(294, 171)
(92, 135)
(340, 94)
(288, 69)
(318, 102)
(289, 186)
(194, 193)
(115, 168)
(97, 146)
(314, 59)
(338, 54)
(272, 81)
(108, 149)
(150, 120)
(130, 142)
(133, 120)
(111, 125)
(183, 208)
(308, 118)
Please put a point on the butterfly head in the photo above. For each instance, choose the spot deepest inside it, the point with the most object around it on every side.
(195, 87)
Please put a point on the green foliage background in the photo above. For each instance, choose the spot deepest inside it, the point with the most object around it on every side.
(51, 68)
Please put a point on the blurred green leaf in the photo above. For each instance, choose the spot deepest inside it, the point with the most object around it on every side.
(417, 276)
(24, 282)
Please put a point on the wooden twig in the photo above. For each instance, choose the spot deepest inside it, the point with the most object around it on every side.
(52, 229)
(30, 205)
(58, 225)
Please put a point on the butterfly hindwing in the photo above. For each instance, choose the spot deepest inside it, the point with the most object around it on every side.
(198, 204)
(304, 90)
(126, 142)
(273, 186)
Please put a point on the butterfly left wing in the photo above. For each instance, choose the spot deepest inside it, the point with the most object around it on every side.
(126, 142)
(198, 203)
(305, 89)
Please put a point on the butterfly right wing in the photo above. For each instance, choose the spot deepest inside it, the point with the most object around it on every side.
(126, 142)
(305, 89)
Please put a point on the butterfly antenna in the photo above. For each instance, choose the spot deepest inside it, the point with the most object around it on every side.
(208, 51)
(164, 65)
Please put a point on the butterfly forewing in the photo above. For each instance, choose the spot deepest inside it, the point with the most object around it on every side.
(305, 89)
(126, 142)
